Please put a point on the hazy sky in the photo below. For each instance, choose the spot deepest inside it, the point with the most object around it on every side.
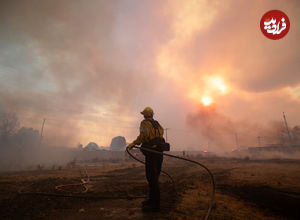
(90, 67)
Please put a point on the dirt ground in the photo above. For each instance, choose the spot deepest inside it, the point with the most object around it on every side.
(245, 189)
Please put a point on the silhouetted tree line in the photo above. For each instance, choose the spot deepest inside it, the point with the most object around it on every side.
(12, 135)
(281, 134)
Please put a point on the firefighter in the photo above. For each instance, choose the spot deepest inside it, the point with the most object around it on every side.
(150, 133)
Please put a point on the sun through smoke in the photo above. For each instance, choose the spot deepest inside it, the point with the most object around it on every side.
(206, 101)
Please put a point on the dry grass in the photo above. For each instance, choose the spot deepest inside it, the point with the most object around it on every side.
(245, 189)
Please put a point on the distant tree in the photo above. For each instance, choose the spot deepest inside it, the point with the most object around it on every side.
(91, 146)
(296, 134)
(118, 144)
(26, 137)
(279, 133)
(9, 124)
(79, 146)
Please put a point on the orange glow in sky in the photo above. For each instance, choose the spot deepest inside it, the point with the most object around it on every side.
(208, 91)
(206, 101)
(217, 82)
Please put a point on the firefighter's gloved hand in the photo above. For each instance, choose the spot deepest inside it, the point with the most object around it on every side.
(130, 146)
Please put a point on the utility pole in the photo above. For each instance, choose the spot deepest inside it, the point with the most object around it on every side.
(287, 128)
(42, 130)
(236, 140)
(258, 139)
(166, 130)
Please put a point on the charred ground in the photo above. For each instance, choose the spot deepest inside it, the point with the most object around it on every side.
(245, 189)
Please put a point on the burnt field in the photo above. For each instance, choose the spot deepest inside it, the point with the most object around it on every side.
(245, 189)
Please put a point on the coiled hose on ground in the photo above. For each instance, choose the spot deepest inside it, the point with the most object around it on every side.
(84, 182)
(182, 158)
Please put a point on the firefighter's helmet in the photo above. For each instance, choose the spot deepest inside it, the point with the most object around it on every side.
(148, 112)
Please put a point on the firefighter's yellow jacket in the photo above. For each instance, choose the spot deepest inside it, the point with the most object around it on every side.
(147, 132)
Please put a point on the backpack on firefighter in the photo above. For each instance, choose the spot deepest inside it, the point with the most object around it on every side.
(158, 143)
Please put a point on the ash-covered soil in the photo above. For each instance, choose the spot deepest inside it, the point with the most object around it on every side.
(245, 189)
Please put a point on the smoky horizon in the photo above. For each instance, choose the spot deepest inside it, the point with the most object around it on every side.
(213, 79)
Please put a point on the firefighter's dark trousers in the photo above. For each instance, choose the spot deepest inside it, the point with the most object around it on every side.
(153, 168)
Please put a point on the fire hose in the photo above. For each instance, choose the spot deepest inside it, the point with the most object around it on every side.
(85, 182)
(182, 158)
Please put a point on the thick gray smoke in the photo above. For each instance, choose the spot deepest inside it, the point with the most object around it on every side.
(77, 63)
(21, 147)
(90, 67)
(224, 134)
